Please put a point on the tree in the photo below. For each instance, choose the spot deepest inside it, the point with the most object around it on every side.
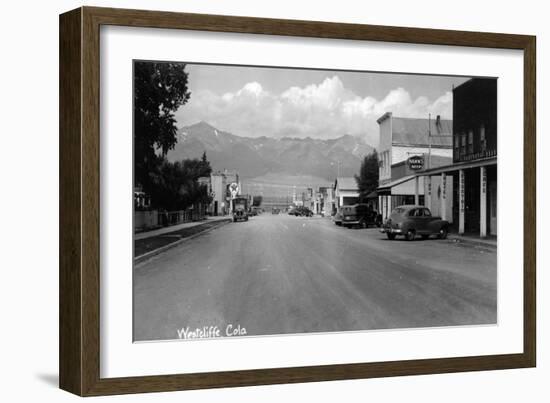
(159, 90)
(175, 186)
(367, 180)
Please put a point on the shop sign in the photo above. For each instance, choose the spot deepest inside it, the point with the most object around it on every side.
(416, 162)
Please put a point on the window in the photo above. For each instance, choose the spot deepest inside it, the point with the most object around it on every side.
(482, 139)
(427, 213)
(457, 145)
(398, 210)
(462, 144)
(471, 142)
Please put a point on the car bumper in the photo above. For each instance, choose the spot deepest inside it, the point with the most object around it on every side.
(350, 222)
(391, 230)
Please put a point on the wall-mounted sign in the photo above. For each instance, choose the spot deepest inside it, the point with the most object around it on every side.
(416, 162)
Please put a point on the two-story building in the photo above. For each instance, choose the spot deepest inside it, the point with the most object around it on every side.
(474, 165)
(406, 146)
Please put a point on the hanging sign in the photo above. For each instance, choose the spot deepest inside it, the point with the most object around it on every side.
(416, 162)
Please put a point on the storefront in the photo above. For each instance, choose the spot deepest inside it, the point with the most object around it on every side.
(474, 205)
(346, 191)
(399, 192)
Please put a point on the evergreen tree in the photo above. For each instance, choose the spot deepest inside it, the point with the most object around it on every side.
(367, 180)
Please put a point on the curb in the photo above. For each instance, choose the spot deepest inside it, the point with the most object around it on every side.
(471, 242)
(150, 254)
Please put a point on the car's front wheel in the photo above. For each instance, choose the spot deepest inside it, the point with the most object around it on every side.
(410, 234)
(443, 232)
(390, 236)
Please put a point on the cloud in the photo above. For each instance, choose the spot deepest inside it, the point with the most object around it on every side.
(324, 110)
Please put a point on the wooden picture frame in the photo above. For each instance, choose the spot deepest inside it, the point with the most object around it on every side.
(79, 279)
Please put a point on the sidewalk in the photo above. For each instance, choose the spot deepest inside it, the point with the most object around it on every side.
(490, 242)
(177, 227)
(160, 241)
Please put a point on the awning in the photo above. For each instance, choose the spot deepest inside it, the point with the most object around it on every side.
(372, 195)
(396, 182)
(402, 187)
(459, 165)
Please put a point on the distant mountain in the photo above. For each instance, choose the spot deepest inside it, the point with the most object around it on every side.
(259, 156)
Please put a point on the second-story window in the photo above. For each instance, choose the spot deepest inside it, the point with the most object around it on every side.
(471, 142)
(457, 146)
(482, 139)
(462, 145)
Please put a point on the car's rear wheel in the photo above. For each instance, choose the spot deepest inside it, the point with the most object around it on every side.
(443, 232)
(409, 236)
(390, 236)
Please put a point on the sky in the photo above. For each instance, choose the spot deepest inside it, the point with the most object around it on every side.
(280, 102)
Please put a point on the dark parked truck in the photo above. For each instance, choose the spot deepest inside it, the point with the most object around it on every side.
(359, 215)
(410, 221)
(240, 209)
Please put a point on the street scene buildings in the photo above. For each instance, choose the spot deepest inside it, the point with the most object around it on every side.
(272, 201)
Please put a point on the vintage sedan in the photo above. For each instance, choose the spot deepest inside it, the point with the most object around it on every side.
(411, 220)
(359, 215)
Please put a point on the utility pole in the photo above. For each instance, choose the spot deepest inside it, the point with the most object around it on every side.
(429, 140)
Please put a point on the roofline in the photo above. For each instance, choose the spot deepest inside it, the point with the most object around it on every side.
(458, 166)
(450, 147)
(460, 85)
(385, 116)
(433, 119)
(396, 182)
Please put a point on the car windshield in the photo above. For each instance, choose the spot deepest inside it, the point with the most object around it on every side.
(398, 211)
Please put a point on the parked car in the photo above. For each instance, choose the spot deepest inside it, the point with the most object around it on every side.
(410, 221)
(360, 215)
(302, 211)
(275, 210)
(337, 219)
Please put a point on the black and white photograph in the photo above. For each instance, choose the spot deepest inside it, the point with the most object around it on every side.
(272, 201)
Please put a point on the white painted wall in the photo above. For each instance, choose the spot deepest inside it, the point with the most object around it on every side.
(401, 153)
(408, 187)
(385, 151)
(436, 196)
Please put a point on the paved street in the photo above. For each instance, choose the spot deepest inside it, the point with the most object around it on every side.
(282, 274)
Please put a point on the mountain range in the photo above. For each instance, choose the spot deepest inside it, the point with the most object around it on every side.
(254, 157)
